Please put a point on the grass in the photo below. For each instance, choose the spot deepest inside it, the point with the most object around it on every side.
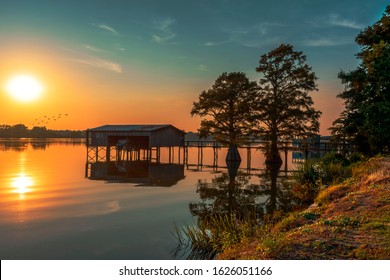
(214, 235)
(348, 220)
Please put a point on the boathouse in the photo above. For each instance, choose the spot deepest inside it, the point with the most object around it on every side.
(126, 142)
(136, 136)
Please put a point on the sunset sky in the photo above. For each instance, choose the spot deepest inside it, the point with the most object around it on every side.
(132, 62)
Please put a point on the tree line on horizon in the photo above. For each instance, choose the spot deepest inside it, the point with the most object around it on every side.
(22, 131)
(279, 106)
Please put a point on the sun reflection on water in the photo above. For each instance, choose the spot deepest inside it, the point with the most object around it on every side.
(22, 184)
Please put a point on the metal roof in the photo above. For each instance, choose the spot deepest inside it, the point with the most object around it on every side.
(131, 128)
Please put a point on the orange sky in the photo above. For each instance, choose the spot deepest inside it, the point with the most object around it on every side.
(91, 98)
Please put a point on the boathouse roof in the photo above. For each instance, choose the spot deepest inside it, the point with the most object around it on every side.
(131, 128)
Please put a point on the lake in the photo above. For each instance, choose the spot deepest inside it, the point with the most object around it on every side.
(54, 206)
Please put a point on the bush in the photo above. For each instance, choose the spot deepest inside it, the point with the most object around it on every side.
(315, 174)
(356, 157)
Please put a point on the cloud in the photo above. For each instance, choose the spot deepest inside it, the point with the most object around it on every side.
(100, 63)
(106, 28)
(92, 48)
(213, 44)
(253, 36)
(327, 42)
(165, 34)
(203, 67)
(336, 20)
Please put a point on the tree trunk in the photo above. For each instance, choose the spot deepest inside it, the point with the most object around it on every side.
(233, 154)
(273, 156)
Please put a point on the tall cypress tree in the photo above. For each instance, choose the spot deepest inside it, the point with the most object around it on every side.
(283, 107)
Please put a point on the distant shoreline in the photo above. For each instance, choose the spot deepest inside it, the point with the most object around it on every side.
(21, 131)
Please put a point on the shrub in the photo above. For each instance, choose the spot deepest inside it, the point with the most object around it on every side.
(315, 174)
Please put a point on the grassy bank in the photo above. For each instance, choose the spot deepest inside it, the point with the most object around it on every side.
(348, 220)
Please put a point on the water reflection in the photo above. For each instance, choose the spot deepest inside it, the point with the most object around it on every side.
(10, 144)
(237, 198)
(227, 193)
(141, 172)
(49, 210)
(235, 192)
(22, 184)
(275, 188)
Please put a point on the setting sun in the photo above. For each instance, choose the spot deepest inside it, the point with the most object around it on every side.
(24, 88)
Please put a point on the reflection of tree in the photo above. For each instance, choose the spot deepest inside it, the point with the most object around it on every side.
(13, 146)
(36, 144)
(234, 194)
(230, 209)
(224, 195)
(276, 190)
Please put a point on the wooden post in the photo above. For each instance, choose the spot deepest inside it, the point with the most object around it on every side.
(216, 153)
(87, 143)
(285, 159)
(198, 153)
(248, 158)
(214, 157)
(86, 170)
(201, 153)
(186, 155)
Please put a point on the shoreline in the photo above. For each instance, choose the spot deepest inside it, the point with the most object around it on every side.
(349, 220)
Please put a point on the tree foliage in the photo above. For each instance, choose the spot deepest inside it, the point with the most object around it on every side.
(225, 108)
(365, 122)
(22, 131)
(283, 107)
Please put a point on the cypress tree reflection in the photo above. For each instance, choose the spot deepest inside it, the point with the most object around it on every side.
(231, 208)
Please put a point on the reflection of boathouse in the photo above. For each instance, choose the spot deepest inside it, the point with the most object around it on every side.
(143, 173)
(132, 142)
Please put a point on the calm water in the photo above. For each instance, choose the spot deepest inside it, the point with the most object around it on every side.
(49, 209)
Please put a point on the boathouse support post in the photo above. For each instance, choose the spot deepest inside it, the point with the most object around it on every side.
(285, 158)
(108, 150)
(97, 153)
(248, 158)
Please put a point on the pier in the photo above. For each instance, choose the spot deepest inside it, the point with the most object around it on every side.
(166, 144)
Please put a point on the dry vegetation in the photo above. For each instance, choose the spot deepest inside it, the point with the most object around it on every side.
(347, 221)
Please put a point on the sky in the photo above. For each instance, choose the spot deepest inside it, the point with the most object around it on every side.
(146, 62)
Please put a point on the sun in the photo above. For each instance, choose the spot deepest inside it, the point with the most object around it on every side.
(24, 88)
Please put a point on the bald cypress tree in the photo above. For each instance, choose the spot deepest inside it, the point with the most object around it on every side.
(225, 109)
(283, 108)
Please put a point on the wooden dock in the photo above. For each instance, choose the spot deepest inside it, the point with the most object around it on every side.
(180, 154)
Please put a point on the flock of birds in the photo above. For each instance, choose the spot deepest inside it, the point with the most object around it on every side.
(43, 121)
